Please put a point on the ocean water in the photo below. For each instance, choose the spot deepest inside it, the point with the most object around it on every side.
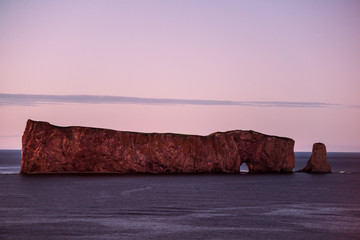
(221, 206)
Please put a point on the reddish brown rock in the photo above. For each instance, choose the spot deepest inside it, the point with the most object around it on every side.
(51, 149)
(318, 162)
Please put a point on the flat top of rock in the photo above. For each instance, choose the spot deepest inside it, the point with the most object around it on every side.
(155, 133)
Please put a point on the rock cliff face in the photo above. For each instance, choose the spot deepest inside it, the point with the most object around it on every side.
(51, 149)
(318, 162)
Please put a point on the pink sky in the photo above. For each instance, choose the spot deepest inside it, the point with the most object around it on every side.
(284, 51)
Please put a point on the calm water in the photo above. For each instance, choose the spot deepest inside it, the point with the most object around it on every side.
(237, 206)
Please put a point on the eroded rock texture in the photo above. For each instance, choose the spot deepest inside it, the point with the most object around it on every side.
(318, 162)
(51, 149)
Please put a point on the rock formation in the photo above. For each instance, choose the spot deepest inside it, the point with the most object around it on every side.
(318, 162)
(51, 149)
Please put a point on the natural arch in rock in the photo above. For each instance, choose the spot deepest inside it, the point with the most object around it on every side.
(244, 168)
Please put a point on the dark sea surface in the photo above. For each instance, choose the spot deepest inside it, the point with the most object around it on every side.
(220, 206)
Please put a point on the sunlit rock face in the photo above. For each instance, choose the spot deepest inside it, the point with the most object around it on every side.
(50, 149)
(318, 162)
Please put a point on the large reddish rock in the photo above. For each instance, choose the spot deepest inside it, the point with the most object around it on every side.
(51, 149)
(318, 162)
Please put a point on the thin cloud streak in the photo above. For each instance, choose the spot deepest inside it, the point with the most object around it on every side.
(34, 99)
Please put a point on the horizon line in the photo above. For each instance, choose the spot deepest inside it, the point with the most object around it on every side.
(7, 99)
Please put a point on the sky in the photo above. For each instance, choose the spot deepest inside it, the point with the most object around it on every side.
(286, 68)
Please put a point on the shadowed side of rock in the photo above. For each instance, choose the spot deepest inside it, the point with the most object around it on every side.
(50, 149)
(318, 162)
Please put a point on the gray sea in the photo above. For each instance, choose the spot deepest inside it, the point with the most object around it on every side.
(219, 206)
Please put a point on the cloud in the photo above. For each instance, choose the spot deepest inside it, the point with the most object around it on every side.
(35, 99)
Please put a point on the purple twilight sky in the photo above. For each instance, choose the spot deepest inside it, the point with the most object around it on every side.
(288, 68)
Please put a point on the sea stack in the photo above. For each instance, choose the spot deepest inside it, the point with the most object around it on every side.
(50, 149)
(318, 162)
